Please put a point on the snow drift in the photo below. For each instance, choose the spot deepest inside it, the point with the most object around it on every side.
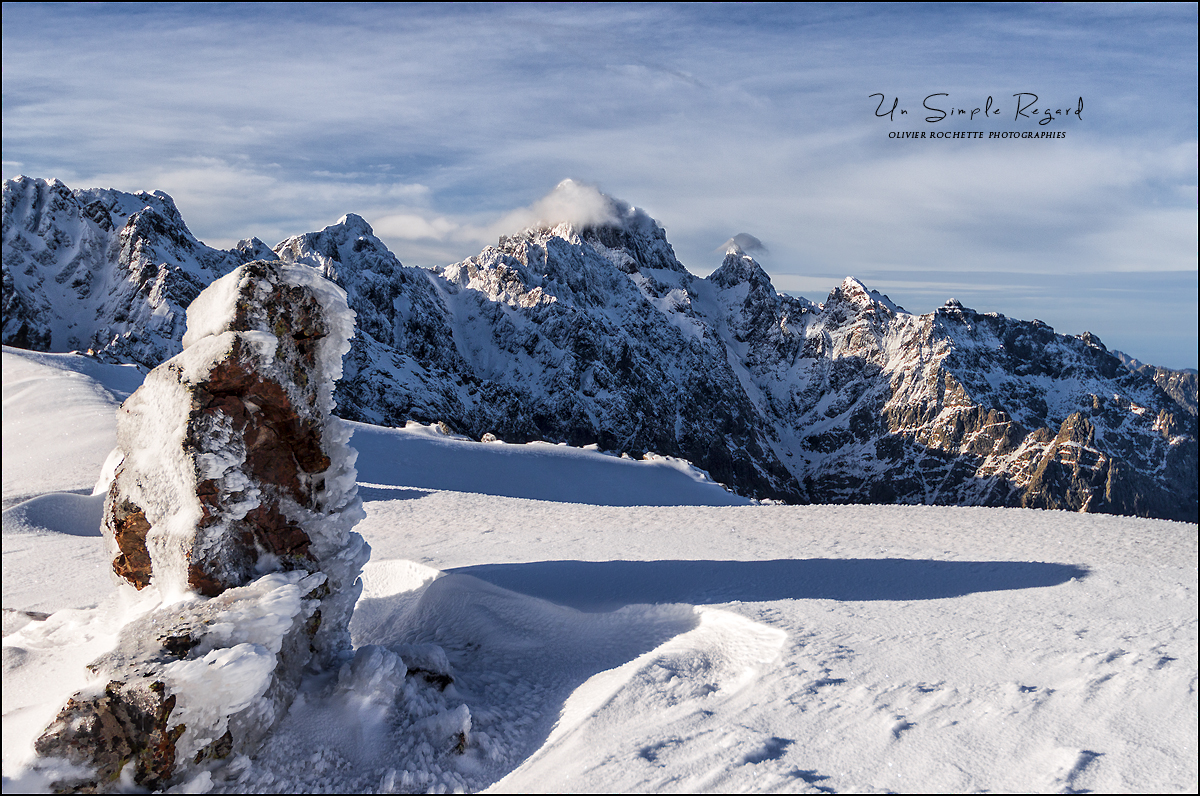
(927, 648)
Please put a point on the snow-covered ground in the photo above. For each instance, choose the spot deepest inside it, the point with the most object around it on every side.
(614, 625)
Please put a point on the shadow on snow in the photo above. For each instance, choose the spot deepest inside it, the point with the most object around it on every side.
(607, 585)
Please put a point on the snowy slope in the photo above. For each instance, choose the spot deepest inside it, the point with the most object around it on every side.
(59, 424)
(602, 648)
(102, 269)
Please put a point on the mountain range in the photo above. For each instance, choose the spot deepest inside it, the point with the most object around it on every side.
(592, 332)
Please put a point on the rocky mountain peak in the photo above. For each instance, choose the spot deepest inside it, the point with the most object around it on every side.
(349, 254)
(356, 224)
(579, 214)
(254, 249)
(350, 243)
(1180, 385)
(739, 268)
(853, 299)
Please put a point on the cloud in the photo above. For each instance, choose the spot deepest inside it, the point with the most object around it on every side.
(410, 226)
(743, 243)
(223, 201)
(432, 126)
(575, 203)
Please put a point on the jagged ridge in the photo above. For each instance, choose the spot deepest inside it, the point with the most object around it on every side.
(103, 270)
(593, 332)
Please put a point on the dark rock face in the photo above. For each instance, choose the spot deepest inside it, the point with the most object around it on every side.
(128, 724)
(237, 494)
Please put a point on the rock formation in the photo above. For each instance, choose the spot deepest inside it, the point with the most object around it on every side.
(1181, 385)
(234, 498)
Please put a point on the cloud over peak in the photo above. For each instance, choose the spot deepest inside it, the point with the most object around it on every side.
(578, 204)
(743, 243)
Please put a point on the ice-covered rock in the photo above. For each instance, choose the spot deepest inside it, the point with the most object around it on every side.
(235, 498)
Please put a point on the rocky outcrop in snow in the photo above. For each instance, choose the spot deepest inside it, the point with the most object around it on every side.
(234, 497)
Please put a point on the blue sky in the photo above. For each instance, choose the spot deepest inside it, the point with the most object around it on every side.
(436, 123)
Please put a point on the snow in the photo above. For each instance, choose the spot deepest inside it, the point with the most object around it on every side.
(246, 629)
(61, 427)
(421, 456)
(605, 625)
(572, 206)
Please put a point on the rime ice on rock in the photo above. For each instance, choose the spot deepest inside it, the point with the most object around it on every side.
(235, 499)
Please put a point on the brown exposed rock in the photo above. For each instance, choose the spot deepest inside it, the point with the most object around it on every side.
(128, 723)
(128, 526)
(269, 409)
(228, 489)
(217, 750)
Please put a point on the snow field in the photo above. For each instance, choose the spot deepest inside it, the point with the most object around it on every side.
(1011, 674)
(422, 456)
(58, 418)
(674, 648)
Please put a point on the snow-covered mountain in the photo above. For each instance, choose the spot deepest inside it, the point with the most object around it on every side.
(1181, 385)
(580, 336)
(103, 270)
(591, 331)
(956, 407)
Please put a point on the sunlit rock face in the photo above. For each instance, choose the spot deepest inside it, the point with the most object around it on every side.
(229, 447)
(958, 407)
(234, 499)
